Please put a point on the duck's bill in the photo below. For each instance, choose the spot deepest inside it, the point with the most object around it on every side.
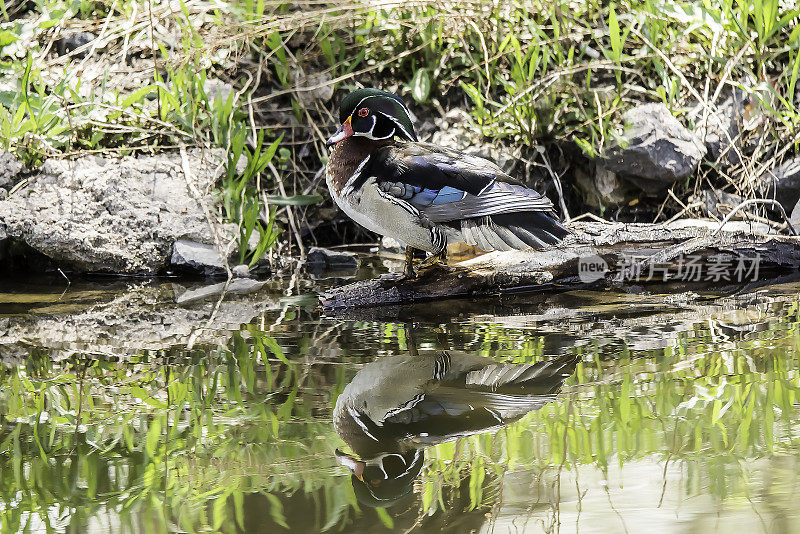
(344, 131)
(355, 466)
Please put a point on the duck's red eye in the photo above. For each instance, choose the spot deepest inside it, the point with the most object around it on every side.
(363, 112)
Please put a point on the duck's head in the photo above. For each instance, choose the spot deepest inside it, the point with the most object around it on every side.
(375, 115)
(384, 479)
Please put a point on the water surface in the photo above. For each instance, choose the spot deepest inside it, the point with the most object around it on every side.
(121, 411)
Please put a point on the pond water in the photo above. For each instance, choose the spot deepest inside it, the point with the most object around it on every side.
(593, 411)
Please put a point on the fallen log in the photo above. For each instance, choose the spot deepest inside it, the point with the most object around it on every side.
(597, 254)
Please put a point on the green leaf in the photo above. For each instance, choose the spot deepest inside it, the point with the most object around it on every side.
(153, 437)
(421, 85)
(6, 38)
(276, 510)
(138, 95)
(474, 95)
(793, 77)
(385, 518)
(220, 513)
(586, 146)
(273, 346)
(294, 200)
(144, 395)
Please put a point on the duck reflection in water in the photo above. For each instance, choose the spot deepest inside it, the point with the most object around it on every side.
(398, 405)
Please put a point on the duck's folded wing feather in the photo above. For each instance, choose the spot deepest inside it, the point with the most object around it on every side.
(468, 394)
(500, 197)
(447, 185)
(450, 412)
(426, 166)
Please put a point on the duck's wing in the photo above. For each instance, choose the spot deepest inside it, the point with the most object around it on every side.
(447, 185)
(464, 399)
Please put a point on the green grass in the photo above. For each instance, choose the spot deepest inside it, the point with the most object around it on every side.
(535, 76)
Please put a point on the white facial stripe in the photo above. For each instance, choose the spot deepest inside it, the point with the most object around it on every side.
(374, 122)
(357, 418)
(348, 187)
(370, 135)
(361, 102)
(397, 124)
(402, 105)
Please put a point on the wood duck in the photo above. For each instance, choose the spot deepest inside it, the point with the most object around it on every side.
(427, 196)
(397, 405)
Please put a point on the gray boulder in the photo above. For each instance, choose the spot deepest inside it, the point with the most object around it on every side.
(717, 203)
(10, 167)
(602, 188)
(655, 150)
(190, 256)
(114, 215)
(321, 259)
(3, 244)
(241, 271)
(390, 244)
(783, 184)
(456, 130)
(794, 217)
(721, 131)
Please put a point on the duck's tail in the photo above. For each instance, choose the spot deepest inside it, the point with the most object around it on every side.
(513, 231)
(539, 378)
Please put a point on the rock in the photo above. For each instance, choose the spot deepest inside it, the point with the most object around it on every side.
(241, 271)
(321, 259)
(125, 322)
(197, 258)
(794, 218)
(72, 42)
(451, 130)
(603, 188)
(216, 89)
(720, 131)
(10, 167)
(3, 245)
(783, 184)
(114, 215)
(239, 286)
(717, 203)
(455, 130)
(655, 150)
(391, 244)
(311, 88)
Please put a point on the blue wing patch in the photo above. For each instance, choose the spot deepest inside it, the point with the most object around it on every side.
(431, 197)
(423, 197)
(448, 194)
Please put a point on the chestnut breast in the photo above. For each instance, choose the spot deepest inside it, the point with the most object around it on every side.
(345, 158)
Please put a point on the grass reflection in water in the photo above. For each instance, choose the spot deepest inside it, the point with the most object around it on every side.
(240, 437)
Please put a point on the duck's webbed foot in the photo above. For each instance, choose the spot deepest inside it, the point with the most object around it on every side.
(433, 260)
(438, 259)
(408, 270)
